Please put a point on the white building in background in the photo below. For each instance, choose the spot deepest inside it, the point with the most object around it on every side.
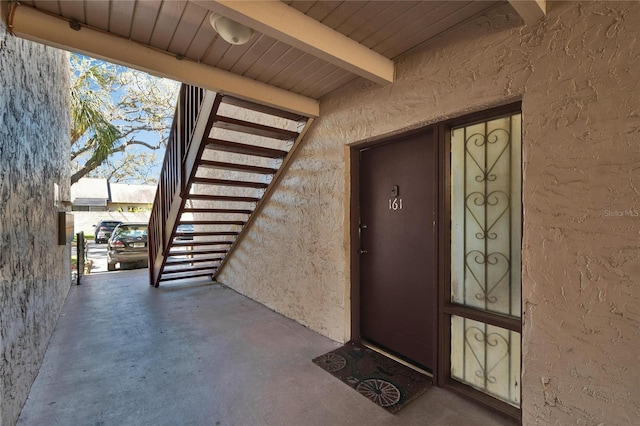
(100, 195)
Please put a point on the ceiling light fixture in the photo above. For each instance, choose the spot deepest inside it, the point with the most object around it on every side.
(231, 31)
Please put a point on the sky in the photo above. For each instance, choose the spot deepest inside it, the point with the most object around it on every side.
(146, 90)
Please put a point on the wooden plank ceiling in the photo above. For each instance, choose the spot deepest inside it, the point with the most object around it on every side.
(181, 28)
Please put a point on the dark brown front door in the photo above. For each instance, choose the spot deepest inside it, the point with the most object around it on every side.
(398, 200)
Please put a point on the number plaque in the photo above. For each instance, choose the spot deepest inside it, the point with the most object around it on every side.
(395, 204)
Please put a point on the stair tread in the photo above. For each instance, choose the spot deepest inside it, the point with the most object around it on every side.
(163, 279)
(206, 233)
(212, 222)
(246, 149)
(237, 167)
(234, 124)
(207, 210)
(222, 198)
(227, 182)
(195, 269)
(202, 243)
(183, 261)
(197, 252)
(241, 103)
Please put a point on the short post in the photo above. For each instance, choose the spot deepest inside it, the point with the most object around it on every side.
(80, 254)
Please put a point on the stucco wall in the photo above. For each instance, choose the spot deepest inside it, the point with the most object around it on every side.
(34, 155)
(577, 75)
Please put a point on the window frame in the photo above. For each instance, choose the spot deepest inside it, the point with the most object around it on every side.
(446, 307)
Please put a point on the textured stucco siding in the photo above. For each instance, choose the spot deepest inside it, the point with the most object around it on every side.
(577, 74)
(581, 270)
(34, 155)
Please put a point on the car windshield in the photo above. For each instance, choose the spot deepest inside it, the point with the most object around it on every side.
(109, 225)
(131, 231)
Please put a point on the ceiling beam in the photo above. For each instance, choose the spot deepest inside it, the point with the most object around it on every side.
(290, 26)
(531, 11)
(27, 22)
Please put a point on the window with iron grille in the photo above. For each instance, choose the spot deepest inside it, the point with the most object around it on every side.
(485, 289)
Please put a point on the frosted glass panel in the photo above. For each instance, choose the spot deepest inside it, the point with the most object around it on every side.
(486, 358)
(486, 215)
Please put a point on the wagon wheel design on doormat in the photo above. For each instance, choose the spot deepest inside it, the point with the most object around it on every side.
(381, 392)
(331, 362)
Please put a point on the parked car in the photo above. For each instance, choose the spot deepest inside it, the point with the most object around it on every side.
(103, 231)
(185, 229)
(128, 245)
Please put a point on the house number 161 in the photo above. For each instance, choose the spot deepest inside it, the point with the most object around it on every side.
(395, 204)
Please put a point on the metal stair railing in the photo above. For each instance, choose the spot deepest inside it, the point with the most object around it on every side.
(182, 150)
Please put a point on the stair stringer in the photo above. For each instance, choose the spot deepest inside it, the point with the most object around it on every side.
(267, 195)
(248, 154)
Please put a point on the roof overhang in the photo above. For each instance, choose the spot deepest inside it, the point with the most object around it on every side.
(31, 24)
(293, 27)
(301, 52)
(531, 11)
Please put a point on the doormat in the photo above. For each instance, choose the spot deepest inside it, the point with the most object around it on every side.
(384, 381)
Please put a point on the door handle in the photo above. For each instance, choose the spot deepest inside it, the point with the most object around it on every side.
(362, 251)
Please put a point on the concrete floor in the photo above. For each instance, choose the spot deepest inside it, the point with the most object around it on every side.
(124, 353)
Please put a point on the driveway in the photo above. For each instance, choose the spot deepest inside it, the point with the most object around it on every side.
(98, 254)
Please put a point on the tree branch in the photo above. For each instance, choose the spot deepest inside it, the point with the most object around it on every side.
(137, 142)
(96, 161)
(81, 151)
(112, 109)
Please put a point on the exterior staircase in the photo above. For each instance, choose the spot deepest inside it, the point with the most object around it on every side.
(223, 159)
